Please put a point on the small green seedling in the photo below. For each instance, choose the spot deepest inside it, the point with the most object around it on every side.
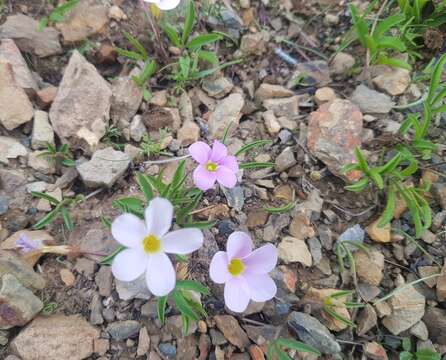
(58, 157)
(422, 354)
(152, 148)
(58, 14)
(277, 349)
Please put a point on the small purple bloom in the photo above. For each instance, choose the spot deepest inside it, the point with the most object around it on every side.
(244, 271)
(25, 244)
(214, 165)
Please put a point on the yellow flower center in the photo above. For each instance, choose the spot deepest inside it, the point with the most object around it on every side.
(155, 10)
(151, 244)
(236, 267)
(212, 167)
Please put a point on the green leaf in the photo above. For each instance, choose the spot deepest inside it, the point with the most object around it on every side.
(145, 186)
(172, 34)
(411, 169)
(130, 205)
(179, 175)
(183, 306)
(188, 23)
(204, 73)
(48, 218)
(377, 178)
(387, 215)
(199, 41)
(43, 23)
(208, 56)
(147, 72)
(360, 25)
(256, 165)
(161, 309)
(427, 354)
(49, 198)
(384, 60)
(358, 186)
(436, 78)
(283, 355)
(132, 55)
(252, 145)
(389, 42)
(67, 219)
(388, 23)
(202, 225)
(298, 346)
(136, 45)
(391, 164)
(55, 17)
(108, 260)
(349, 167)
(67, 7)
(192, 285)
(406, 344)
(280, 210)
(424, 145)
(361, 160)
(406, 355)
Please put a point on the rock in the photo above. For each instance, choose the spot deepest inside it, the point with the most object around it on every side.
(369, 266)
(104, 280)
(137, 128)
(18, 304)
(323, 95)
(10, 53)
(122, 330)
(80, 111)
(353, 234)
(254, 44)
(46, 96)
(271, 123)
(288, 106)
(136, 289)
(159, 98)
(367, 320)
(186, 108)
(232, 331)
(300, 227)
(420, 331)
(256, 353)
(160, 118)
(87, 18)
(426, 271)
(312, 332)
(379, 234)
(285, 160)
(96, 310)
(375, 351)
(334, 132)
(270, 91)
(394, 80)
(105, 167)
(67, 277)
(217, 88)
(407, 309)
(342, 63)
(25, 31)
(10, 148)
(40, 163)
(101, 346)
(56, 337)
(4, 204)
(43, 133)
(256, 218)
(15, 107)
(371, 101)
(174, 325)
(312, 73)
(116, 13)
(14, 265)
(439, 192)
(143, 342)
(441, 285)
(293, 250)
(188, 133)
(168, 350)
(435, 320)
(428, 237)
(227, 112)
(126, 98)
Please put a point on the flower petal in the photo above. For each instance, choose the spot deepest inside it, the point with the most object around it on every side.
(159, 215)
(203, 179)
(262, 260)
(236, 297)
(129, 230)
(183, 241)
(261, 287)
(168, 4)
(218, 270)
(239, 245)
(219, 151)
(129, 264)
(200, 152)
(160, 275)
(230, 162)
(226, 177)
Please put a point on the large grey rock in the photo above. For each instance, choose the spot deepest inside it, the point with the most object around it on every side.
(81, 110)
(312, 332)
(24, 30)
(15, 107)
(435, 320)
(126, 99)
(122, 330)
(371, 101)
(43, 133)
(136, 289)
(56, 337)
(10, 148)
(9, 52)
(18, 304)
(227, 112)
(104, 168)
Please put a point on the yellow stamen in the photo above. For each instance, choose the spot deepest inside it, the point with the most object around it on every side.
(151, 244)
(236, 267)
(156, 11)
(212, 167)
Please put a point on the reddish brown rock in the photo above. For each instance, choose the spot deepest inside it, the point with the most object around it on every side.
(375, 351)
(232, 331)
(45, 97)
(334, 132)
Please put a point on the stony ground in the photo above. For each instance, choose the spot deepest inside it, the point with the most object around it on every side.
(66, 84)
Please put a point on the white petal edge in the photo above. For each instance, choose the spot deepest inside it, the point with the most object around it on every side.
(159, 216)
(182, 242)
(168, 4)
(261, 287)
(239, 245)
(160, 275)
(129, 230)
(218, 269)
(236, 297)
(129, 264)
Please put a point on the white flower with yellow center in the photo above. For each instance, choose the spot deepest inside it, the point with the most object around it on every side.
(148, 243)
(165, 4)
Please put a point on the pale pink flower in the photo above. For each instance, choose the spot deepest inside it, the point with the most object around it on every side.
(165, 4)
(244, 271)
(148, 243)
(214, 165)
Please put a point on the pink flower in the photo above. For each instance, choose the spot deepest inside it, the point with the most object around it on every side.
(214, 165)
(244, 272)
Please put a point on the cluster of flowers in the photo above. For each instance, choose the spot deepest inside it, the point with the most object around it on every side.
(244, 271)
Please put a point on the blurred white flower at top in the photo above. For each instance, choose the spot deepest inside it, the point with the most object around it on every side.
(165, 4)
